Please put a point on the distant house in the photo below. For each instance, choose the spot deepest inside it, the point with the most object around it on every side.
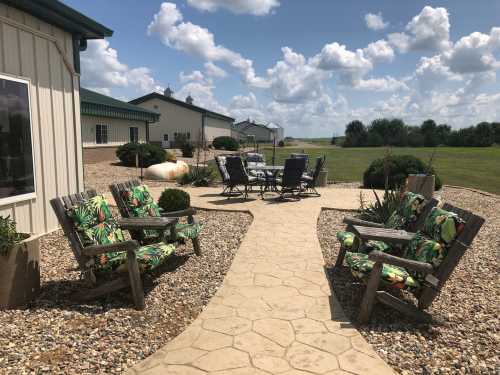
(197, 124)
(40, 128)
(108, 123)
(261, 132)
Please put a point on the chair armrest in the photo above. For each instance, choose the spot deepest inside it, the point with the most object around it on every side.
(414, 265)
(187, 212)
(364, 223)
(113, 247)
(391, 236)
(159, 223)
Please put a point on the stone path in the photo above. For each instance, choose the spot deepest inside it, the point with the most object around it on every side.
(274, 313)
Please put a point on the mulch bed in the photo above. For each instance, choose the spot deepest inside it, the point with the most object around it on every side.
(58, 336)
(467, 339)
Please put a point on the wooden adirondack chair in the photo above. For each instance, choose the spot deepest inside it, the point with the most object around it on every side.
(117, 191)
(435, 277)
(85, 254)
(412, 227)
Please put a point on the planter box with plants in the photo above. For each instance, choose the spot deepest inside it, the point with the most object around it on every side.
(19, 266)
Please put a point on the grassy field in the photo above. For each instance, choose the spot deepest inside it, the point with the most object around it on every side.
(470, 167)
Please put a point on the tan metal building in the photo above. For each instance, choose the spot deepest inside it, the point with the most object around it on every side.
(178, 117)
(260, 132)
(40, 130)
(108, 123)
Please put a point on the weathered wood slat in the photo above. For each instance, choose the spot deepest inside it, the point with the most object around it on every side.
(403, 307)
(378, 256)
(383, 234)
(114, 247)
(366, 308)
(160, 223)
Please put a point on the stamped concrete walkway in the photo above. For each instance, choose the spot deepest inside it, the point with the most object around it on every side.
(274, 313)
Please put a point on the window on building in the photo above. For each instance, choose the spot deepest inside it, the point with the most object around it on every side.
(155, 106)
(165, 137)
(16, 154)
(101, 134)
(134, 134)
(188, 135)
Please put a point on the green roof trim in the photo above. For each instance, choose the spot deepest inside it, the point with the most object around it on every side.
(95, 104)
(63, 16)
(155, 95)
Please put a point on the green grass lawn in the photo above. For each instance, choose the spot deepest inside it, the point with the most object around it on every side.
(468, 166)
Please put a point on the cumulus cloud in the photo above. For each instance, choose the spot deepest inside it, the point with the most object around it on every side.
(431, 72)
(102, 70)
(215, 71)
(384, 84)
(379, 51)
(375, 21)
(195, 40)
(427, 31)
(254, 7)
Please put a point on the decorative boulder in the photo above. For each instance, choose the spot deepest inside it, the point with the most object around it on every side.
(167, 171)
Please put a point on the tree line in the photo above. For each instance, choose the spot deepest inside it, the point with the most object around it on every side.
(394, 132)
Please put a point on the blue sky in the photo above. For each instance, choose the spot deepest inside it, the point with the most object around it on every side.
(310, 66)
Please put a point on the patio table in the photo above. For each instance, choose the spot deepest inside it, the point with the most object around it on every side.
(270, 184)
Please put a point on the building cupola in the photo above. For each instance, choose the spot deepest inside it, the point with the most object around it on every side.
(189, 99)
(168, 92)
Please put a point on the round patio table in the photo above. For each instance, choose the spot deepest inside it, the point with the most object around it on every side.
(270, 183)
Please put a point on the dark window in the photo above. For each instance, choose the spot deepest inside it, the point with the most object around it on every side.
(165, 137)
(101, 134)
(16, 155)
(188, 135)
(134, 134)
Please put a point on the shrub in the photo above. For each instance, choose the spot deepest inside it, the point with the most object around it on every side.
(281, 144)
(380, 211)
(9, 235)
(226, 143)
(149, 154)
(399, 167)
(174, 200)
(187, 150)
(197, 176)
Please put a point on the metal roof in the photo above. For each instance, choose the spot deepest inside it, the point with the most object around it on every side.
(63, 16)
(155, 95)
(95, 104)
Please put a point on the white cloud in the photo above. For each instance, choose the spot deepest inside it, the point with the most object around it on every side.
(254, 7)
(102, 71)
(379, 51)
(431, 72)
(428, 31)
(375, 21)
(199, 41)
(215, 71)
(383, 84)
(474, 53)
(194, 76)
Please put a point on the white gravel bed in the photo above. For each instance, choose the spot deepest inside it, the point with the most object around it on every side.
(58, 336)
(467, 340)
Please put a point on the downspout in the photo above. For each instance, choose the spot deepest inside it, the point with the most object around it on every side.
(203, 120)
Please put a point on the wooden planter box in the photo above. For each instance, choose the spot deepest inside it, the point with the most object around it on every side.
(20, 274)
(421, 184)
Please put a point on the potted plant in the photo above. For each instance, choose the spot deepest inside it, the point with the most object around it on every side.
(19, 265)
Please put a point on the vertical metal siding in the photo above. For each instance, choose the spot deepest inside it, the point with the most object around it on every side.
(118, 130)
(28, 50)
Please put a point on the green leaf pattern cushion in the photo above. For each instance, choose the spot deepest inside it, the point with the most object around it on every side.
(376, 245)
(94, 223)
(346, 239)
(149, 257)
(443, 226)
(408, 212)
(392, 276)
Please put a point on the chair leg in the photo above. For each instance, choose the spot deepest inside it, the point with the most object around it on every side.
(196, 246)
(371, 290)
(135, 280)
(341, 256)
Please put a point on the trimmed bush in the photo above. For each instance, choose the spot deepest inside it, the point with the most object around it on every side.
(174, 200)
(187, 150)
(148, 154)
(226, 143)
(281, 144)
(197, 176)
(399, 167)
(170, 156)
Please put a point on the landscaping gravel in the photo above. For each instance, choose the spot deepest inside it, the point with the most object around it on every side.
(58, 336)
(466, 341)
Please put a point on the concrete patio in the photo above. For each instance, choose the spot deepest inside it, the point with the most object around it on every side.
(274, 313)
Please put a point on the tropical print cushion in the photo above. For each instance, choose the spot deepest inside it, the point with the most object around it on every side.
(140, 203)
(94, 223)
(148, 257)
(425, 250)
(346, 239)
(377, 245)
(443, 226)
(392, 276)
(408, 211)
(188, 231)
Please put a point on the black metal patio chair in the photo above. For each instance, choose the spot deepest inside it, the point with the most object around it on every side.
(301, 156)
(310, 181)
(290, 182)
(221, 166)
(238, 176)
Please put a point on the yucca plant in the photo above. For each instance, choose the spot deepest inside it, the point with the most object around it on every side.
(197, 176)
(380, 210)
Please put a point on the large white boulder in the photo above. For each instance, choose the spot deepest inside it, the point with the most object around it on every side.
(167, 171)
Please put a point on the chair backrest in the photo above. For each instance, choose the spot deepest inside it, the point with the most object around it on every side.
(254, 157)
(320, 162)
(61, 205)
(221, 166)
(300, 156)
(456, 250)
(292, 173)
(117, 191)
(236, 170)
(419, 223)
